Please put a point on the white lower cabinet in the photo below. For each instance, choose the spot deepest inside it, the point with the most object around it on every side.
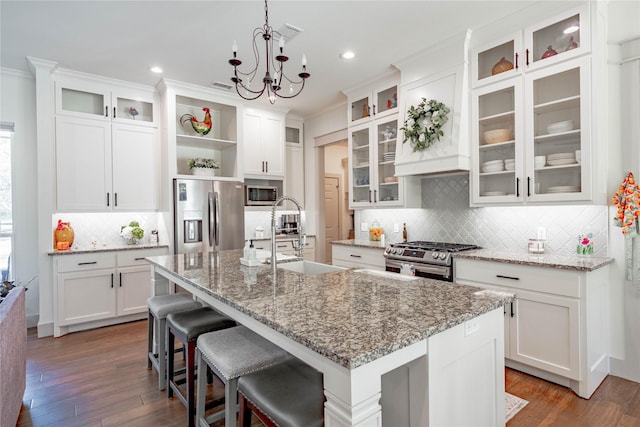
(555, 328)
(285, 246)
(100, 289)
(358, 257)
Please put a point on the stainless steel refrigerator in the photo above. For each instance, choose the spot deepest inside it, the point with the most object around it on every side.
(209, 215)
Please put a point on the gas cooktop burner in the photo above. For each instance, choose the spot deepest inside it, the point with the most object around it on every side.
(435, 246)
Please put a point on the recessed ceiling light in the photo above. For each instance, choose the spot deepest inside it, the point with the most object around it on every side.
(156, 70)
(571, 29)
(347, 54)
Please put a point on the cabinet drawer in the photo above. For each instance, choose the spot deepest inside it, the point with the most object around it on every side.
(358, 256)
(136, 257)
(548, 280)
(83, 262)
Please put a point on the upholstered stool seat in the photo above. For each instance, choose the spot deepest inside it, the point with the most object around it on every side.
(231, 353)
(288, 394)
(187, 326)
(159, 307)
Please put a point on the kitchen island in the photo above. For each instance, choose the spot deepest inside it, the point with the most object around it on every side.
(394, 350)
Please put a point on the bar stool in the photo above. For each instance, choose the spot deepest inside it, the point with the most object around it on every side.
(231, 353)
(187, 326)
(288, 394)
(159, 307)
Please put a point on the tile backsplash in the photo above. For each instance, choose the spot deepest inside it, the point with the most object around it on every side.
(104, 228)
(446, 217)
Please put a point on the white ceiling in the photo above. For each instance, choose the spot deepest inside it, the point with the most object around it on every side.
(191, 40)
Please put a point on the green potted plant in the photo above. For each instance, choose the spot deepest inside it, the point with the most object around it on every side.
(132, 233)
(200, 166)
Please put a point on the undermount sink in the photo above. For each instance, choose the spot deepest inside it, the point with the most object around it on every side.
(309, 267)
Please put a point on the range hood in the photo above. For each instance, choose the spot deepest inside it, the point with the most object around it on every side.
(439, 73)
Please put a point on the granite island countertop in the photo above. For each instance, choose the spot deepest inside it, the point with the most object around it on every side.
(351, 316)
(565, 262)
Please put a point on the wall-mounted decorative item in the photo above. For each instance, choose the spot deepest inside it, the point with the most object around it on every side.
(200, 127)
(424, 123)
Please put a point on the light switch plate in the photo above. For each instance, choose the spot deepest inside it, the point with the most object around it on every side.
(364, 226)
(396, 228)
(471, 327)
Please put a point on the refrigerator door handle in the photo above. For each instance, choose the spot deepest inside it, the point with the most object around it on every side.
(216, 218)
(211, 219)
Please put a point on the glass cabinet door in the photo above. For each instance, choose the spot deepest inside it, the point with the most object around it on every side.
(497, 61)
(558, 39)
(361, 168)
(139, 110)
(498, 137)
(559, 130)
(386, 135)
(82, 102)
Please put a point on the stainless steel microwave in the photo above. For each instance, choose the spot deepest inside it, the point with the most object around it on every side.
(260, 195)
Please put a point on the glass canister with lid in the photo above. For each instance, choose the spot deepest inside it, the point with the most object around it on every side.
(375, 231)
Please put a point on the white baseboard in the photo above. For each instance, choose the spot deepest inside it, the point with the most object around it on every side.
(627, 369)
(45, 330)
(32, 320)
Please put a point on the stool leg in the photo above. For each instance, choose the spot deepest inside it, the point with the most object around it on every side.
(151, 320)
(170, 361)
(244, 415)
(191, 402)
(230, 402)
(201, 387)
(162, 361)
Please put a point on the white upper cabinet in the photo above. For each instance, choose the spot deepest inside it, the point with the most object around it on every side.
(373, 102)
(101, 101)
(106, 146)
(264, 145)
(546, 43)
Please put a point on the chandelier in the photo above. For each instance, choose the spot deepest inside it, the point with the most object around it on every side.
(271, 84)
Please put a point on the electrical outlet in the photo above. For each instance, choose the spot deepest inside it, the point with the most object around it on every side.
(364, 226)
(542, 233)
(471, 327)
(396, 228)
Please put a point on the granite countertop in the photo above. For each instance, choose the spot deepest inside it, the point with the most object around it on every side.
(361, 243)
(280, 237)
(565, 262)
(105, 249)
(351, 316)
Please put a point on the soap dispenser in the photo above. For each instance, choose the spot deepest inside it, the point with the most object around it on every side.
(245, 251)
(252, 250)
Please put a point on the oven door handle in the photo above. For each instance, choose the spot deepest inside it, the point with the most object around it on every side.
(431, 269)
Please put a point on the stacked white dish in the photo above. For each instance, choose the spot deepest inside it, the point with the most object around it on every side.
(493, 166)
(509, 164)
(389, 156)
(564, 189)
(559, 159)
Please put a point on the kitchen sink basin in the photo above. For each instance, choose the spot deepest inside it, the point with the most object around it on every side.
(309, 267)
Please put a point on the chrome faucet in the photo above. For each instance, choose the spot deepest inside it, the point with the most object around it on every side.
(298, 249)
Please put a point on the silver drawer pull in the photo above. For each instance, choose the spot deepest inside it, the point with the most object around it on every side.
(139, 258)
(88, 263)
(355, 256)
(507, 277)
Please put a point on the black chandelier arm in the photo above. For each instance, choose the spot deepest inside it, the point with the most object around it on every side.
(257, 94)
(290, 96)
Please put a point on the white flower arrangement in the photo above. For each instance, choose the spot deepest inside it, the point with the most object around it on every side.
(203, 163)
(132, 233)
(424, 124)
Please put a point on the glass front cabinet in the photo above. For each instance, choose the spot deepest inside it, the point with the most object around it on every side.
(532, 137)
(372, 150)
(557, 39)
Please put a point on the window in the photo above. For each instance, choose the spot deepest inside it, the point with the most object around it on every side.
(6, 215)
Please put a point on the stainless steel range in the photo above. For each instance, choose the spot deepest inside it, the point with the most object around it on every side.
(424, 259)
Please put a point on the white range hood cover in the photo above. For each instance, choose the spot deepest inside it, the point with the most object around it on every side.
(446, 81)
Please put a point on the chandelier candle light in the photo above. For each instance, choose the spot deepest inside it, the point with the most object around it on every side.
(270, 84)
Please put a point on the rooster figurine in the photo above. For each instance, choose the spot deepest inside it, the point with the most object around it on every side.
(203, 127)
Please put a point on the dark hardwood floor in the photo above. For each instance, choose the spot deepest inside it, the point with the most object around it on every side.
(100, 378)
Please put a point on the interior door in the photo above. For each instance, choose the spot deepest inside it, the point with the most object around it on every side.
(331, 213)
